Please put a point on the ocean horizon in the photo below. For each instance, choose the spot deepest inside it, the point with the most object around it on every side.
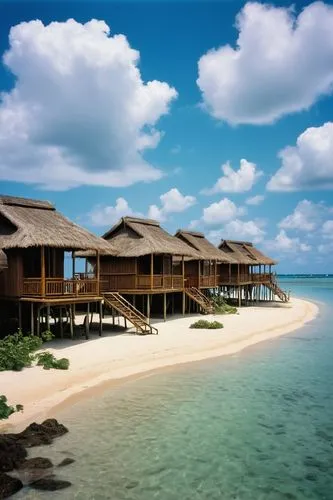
(256, 425)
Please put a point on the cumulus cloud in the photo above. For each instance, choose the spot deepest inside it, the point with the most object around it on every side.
(281, 64)
(171, 202)
(327, 229)
(220, 212)
(285, 244)
(235, 181)
(79, 112)
(255, 200)
(108, 215)
(306, 216)
(309, 164)
(239, 230)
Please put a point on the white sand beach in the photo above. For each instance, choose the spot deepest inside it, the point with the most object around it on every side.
(116, 355)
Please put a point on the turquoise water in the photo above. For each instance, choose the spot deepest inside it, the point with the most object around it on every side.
(254, 426)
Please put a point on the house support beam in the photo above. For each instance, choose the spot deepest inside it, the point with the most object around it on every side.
(164, 306)
(42, 270)
(100, 319)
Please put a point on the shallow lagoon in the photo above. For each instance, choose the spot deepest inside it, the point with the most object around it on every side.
(255, 425)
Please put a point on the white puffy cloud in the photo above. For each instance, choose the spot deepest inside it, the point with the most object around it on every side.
(221, 212)
(235, 181)
(107, 215)
(255, 200)
(306, 216)
(79, 112)
(327, 229)
(239, 230)
(285, 244)
(171, 202)
(282, 63)
(309, 164)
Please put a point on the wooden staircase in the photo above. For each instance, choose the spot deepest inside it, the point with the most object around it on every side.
(127, 310)
(274, 287)
(206, 304)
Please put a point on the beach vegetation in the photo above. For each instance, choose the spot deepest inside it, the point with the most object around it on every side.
(18, 351)
(205, 324)
(47, 360)
(7, 410)
(221, 306)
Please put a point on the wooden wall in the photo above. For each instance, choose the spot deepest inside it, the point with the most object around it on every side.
(11, 279)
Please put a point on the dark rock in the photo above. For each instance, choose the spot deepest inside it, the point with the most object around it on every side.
(11, 453)
(9, 485)
(50, 484)
(40, 434)
(36, 463)
(66, 461)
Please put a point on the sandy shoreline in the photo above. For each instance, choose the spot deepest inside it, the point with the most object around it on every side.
(115, 356)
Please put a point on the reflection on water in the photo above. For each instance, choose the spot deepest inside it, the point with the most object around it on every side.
(256, 425)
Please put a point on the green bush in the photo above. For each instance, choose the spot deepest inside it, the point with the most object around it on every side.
(6, 410)
(210, 325)
(48, 361)
(19, 351)
(222, 307)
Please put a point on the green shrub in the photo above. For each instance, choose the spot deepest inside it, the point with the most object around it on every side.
(222, 307)
(48, 361)
(6, 410)
(210, 325)
(19, 351)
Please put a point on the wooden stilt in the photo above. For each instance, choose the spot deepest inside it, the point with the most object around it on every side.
(148, 308)
(112, 312)
(48, 317)
(61, 323)
(71, 318)
(164, 306)
(173, 304)
(100, 319)
(239, 296)
(184, 303)
(87, 322)
(20, 315)
(38, 321)
(125, 323)
(32, 322)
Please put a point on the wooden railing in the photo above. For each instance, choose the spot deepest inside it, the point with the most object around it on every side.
(245, 278)
(208, 281)
(163, 281)
(58, 287)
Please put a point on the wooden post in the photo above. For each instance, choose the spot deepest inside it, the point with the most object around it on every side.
(151, 271)
(20, 315)
(100, 318)
(73, 264)
(184, 303)
(148, 308)
(136, 273)
(238, 277)
(71, 317)
(48, 317)
(32, 323)
(215, 273)
(199, 262)
(164, 306)
(173, 304)
(60, 323)
(42, 270)
(239, 296)
(86, 267)
(38, 321)
(183, 271)
(98, 271)
(87, 321)
(134, 301)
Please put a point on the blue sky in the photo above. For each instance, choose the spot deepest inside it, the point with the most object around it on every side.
(210, 115)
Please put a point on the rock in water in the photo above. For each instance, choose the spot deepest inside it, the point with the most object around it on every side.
(11, 453)
(39, 434)
(66, 461)
(36, 463)
(9, 485)
(50, 484)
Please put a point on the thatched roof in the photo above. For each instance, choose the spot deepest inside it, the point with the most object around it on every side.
(243, 252)
(199, 242)
(29, 223)
(133, 237)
